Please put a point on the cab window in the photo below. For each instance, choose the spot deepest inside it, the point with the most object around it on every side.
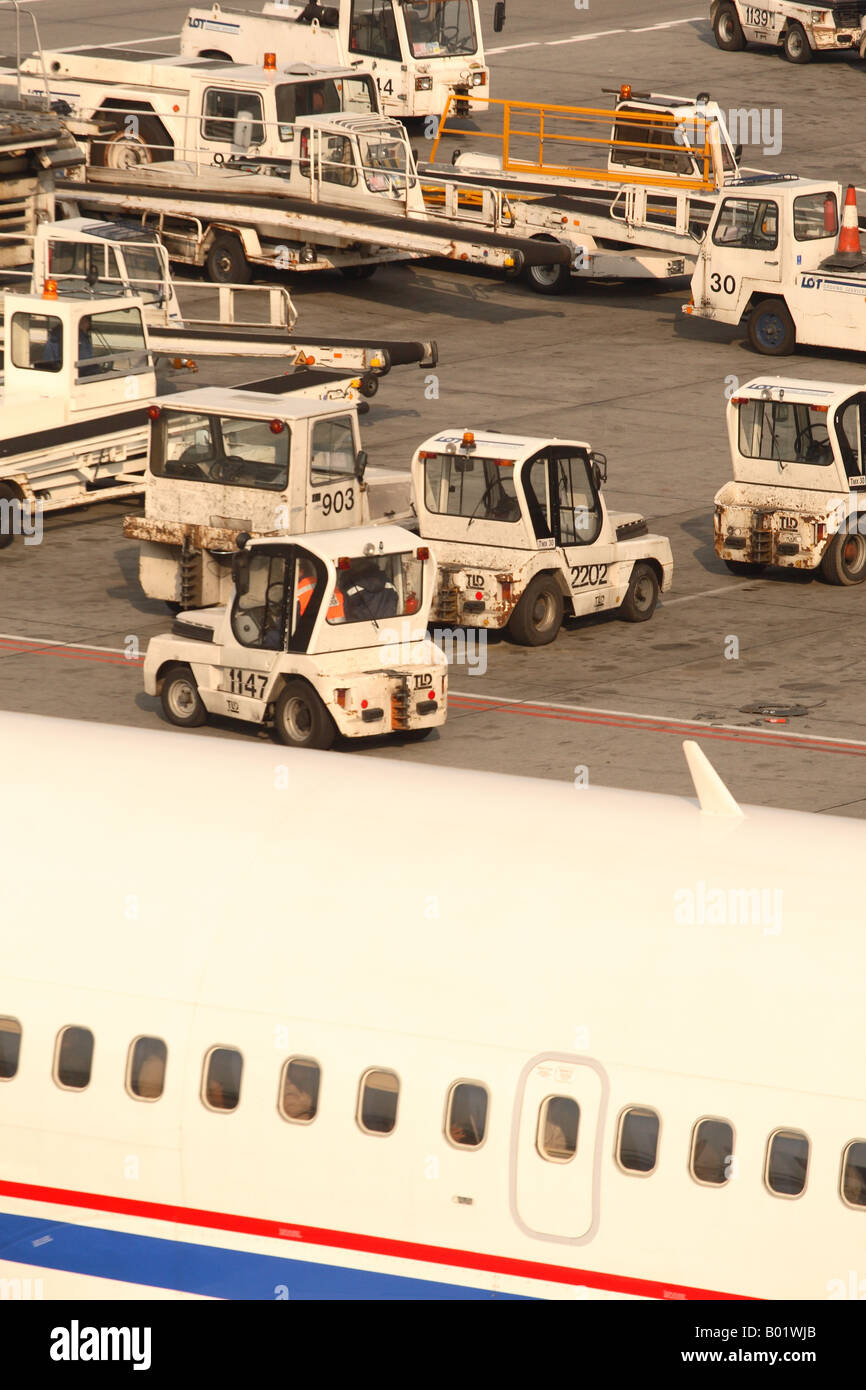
(536, 486)
(371, 587)
(338, 161)
(815, 216)
(786, 431)
(385, 162)
(851, 433)
(373, 29)
(479, 488)
(577, 504)
(37, 342)
(437, 28)
(644, 141)
(112, 341)
(332, 452)
(748, 224)
(221, 449)
(223, 110)
(259, 610)
(298, 99)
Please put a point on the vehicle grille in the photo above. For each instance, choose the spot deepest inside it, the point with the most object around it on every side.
(847, 16)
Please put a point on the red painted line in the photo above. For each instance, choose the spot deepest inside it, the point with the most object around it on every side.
(69, 653)
(637, 724)
(346, 1240)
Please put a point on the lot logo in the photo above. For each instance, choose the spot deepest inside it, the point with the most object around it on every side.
(76, 1343)
(753, 125)
(704, 906)
(20, 517)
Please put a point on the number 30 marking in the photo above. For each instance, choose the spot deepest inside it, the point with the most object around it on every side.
(717, 284)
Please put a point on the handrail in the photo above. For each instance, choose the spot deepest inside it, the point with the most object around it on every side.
(614, 139)
(31, 16)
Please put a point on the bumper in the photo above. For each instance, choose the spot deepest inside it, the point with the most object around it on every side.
(388, 702)
(836, 38)
(789, 539)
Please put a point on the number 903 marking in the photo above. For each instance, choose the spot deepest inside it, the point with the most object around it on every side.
(338, 501)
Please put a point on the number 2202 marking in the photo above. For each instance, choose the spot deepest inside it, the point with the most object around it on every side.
(588, 576)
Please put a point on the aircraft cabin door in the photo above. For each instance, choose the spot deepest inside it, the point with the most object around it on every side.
(556, 1147)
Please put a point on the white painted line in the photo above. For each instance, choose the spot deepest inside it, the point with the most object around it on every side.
(705, 593)
(670, 24)
(510, 48)
(584, 38)
(121, 43)
(697, 724)
(49, 642)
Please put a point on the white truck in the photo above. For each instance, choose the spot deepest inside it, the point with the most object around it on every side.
(422, 51)
(223, 463)
(151, 106)
(321, 635)
(797, 499)
(797, 27)
(769, 260)
(79, 389)
(84, 256)
(522, 535)
(348, 197)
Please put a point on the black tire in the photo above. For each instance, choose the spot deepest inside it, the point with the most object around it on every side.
(640, 602)
(173, 606)
(548, 279)
(771, 328)
(181, 702)
(414, 735)
(124, 151)
(727, 30)
(538, 616)
(369, 385)
(226, 263)
(795, 45)
(359, 272)
(7, 534)
(216, 53)
(844, 560)
(300, 718)
(746, 569)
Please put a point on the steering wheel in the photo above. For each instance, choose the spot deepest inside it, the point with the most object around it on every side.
(226, 470)
(816, 448)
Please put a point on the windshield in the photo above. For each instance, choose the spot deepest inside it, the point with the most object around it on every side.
(376, 586)
(320, 98)
(219, 449)
(475, 487)
(386, 163)
(438, 28)
(784, 431)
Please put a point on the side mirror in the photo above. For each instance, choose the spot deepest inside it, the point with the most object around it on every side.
(360, 464)
(242, 539)
(499, 16)
(599, 469)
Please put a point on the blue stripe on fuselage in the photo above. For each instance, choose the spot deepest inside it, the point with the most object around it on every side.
(203, 1269)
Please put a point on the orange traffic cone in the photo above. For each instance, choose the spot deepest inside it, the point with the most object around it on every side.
(849, 252)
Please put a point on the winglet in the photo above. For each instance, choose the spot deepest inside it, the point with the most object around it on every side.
(713, 795)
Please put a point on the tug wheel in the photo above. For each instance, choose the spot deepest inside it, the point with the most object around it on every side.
(300, 718)
(844, 559)
(727, 30)
(181, 702)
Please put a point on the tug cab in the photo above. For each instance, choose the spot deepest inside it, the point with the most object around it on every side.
(322, 635)
(798, 496)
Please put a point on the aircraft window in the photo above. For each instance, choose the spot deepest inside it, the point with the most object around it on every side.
(377, 1103)
(74, 1058)
(787, 1163)
(145, 1077)
(638, 1140)
(854, 1174)
(712, 1151)
(299, 1090)
(558, 1122)
(466, 1119)
(222, 1078)
(10, 1047)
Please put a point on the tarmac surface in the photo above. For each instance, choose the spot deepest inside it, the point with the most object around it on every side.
(616, 365)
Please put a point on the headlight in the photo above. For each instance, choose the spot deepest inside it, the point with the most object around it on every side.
(479, 79)
(423, 84)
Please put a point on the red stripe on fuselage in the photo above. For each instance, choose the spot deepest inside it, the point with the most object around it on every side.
(350, 1240)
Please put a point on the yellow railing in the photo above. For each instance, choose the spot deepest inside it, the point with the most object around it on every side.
(650, 148)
